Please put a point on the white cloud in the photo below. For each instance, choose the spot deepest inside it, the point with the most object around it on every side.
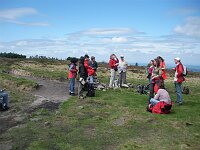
(191, 27)
(15, 14)
(183, 11)
(115, 40)
(135, 48)
(111, 31)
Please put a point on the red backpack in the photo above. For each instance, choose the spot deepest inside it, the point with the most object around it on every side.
(161, 108)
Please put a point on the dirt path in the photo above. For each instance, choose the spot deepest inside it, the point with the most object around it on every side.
(49, 95)
(54, 91)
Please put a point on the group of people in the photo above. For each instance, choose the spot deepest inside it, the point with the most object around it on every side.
(117, 66)
(157, 76)
(87, 72)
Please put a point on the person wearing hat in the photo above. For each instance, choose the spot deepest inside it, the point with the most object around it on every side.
(122, 69)
(178, 79)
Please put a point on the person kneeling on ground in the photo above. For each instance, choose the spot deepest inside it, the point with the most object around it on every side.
(161, 103)
(4, 97)
(162, 95)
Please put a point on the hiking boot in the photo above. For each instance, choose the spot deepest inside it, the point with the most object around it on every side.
(72, 94)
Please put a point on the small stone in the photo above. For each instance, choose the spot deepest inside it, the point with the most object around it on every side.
(80, 107)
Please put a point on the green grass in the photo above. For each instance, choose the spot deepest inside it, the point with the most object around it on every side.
(95, 125)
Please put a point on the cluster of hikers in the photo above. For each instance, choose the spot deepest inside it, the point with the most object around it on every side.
(87, 74)
(158, 95)
(161, 102)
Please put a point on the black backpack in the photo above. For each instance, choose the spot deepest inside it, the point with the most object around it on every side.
(91, 90)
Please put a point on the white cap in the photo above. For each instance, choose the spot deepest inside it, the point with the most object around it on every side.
(122, 56)
(177, 58)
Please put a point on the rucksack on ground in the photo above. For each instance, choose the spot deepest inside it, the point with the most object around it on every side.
(91, 90)
(185, 71)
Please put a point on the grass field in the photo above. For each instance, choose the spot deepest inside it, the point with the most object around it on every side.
(113, 119)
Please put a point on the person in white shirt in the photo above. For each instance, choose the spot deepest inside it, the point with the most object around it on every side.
(122, 69)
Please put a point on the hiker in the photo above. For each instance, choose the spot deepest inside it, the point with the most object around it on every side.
(90, 70)
(163, 67)
(93, 63)
(156, 75)
(122, 69)
(155, 78)
(150, 70)
(178, 79)
(161, 95)
(113, 63)
(82, 77)
(72, 76)
(161, 103)
(4, 100)
(91, 73)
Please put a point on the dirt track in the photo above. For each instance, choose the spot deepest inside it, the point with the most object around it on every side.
(49, 95)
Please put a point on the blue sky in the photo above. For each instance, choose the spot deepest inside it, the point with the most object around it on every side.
(138, 29)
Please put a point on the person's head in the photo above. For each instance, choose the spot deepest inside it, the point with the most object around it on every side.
(122, 57)
(81, 60)
(156, 63)
(151, 62)
(160, 58)
(86, 56)
(112, 56)
(74, 60)
(93, 58)
(177, 60)
(161, 85)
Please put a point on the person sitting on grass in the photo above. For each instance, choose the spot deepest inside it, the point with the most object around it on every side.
(162, 95)
(4, 98)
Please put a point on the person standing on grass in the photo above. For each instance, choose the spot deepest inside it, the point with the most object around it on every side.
(163, 67)
(155, 79)
(83, 77)
(122, 69)
(150, 70)
(72, 76)
(113, 63)
(93, 63)
(178, 79)
(90, 70)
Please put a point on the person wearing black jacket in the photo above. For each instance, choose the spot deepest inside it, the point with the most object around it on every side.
(82, 77)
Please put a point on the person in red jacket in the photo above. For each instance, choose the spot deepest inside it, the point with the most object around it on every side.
(72, 76)
(90, 70)
(113, 63)
(163, 67)
(178, 79)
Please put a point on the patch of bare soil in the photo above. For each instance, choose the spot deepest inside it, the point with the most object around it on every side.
(49, 95)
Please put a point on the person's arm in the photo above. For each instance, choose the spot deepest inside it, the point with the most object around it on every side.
(157, 95)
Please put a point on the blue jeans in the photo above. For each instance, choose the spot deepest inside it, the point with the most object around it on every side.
(72, 85)
(179, 92)
(154, 101)
(91, 79)
(4, 96)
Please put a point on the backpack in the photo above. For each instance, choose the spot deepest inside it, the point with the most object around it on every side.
(186, 90)
(91, 90)
(185, 71)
